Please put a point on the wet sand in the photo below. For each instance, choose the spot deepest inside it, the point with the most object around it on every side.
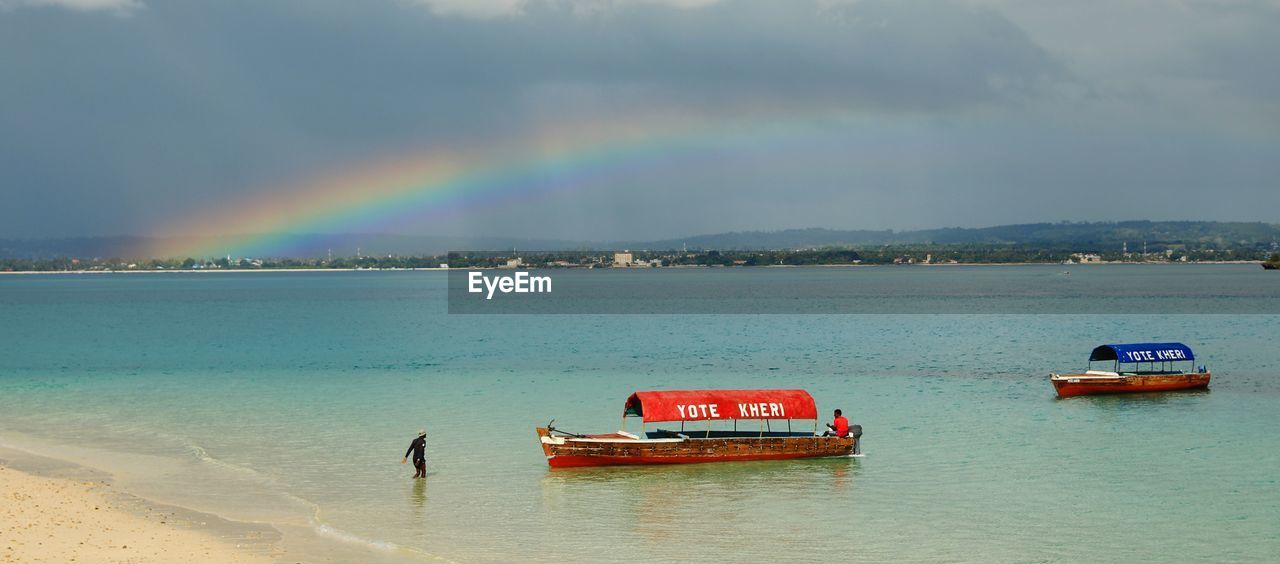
(47, 519)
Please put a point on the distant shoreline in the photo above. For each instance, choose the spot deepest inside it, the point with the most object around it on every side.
(679, 267)
(214, 270)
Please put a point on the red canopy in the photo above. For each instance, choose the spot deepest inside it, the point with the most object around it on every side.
(700, 405)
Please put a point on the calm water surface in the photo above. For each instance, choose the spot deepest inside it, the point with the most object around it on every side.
(291, 397)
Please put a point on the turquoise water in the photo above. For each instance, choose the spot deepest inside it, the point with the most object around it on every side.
(290, 398)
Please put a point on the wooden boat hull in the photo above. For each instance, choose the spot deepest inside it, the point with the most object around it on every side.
(567, 452)
(1069, 385)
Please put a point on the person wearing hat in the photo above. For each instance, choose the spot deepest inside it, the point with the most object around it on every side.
(419, 449)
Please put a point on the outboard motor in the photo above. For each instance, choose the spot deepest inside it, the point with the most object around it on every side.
(855, 431)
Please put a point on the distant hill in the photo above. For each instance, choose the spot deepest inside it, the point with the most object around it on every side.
(1094, 236)
(1087, 237)
(75, 247)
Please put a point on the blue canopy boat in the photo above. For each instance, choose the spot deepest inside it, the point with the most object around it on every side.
(1135, 367)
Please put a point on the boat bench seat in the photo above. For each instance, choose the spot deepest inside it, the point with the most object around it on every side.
(699, 434)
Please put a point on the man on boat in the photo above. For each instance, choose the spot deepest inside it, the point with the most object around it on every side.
(419, 449)
(838, 427)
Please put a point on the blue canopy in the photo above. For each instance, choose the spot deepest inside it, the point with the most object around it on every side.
(1143, 352)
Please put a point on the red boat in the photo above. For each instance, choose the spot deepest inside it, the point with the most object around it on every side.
(1136, 368)
(715, 426)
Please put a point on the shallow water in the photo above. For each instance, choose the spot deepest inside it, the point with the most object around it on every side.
(291, 397)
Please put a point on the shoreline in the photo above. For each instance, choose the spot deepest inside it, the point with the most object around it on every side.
(64, 519)
(681, 267)
(49, 489)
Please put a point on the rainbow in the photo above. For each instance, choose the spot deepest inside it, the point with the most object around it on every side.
(397, 192)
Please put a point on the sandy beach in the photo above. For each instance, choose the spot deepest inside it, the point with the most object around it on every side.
(62, 520)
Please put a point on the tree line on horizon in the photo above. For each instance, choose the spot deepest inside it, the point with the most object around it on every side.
(1198, 240)
(875, 255)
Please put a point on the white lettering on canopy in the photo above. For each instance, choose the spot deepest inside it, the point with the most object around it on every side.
(699, 411)
(1152, 356)
(760, 410)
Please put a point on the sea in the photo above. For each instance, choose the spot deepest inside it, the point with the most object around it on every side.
(289, 398)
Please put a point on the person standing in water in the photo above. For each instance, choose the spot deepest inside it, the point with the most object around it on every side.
(419, 450)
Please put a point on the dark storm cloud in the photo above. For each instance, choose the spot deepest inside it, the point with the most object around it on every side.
(113, 119)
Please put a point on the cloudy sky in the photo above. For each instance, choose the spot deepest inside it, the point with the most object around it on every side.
(124, 117)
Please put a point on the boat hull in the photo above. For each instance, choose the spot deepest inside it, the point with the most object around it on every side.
(562, 452)
(1070, 385)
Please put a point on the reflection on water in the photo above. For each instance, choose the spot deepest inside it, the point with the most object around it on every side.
(419, 496)
(1111, 404)
(841, 478)
(1172, 397)
(684, 474)
(698, 497)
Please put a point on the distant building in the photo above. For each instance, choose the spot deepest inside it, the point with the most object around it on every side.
(1084, 258)
(515, 262)
(622, 259)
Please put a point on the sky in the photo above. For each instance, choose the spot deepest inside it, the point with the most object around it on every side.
(631, 119)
